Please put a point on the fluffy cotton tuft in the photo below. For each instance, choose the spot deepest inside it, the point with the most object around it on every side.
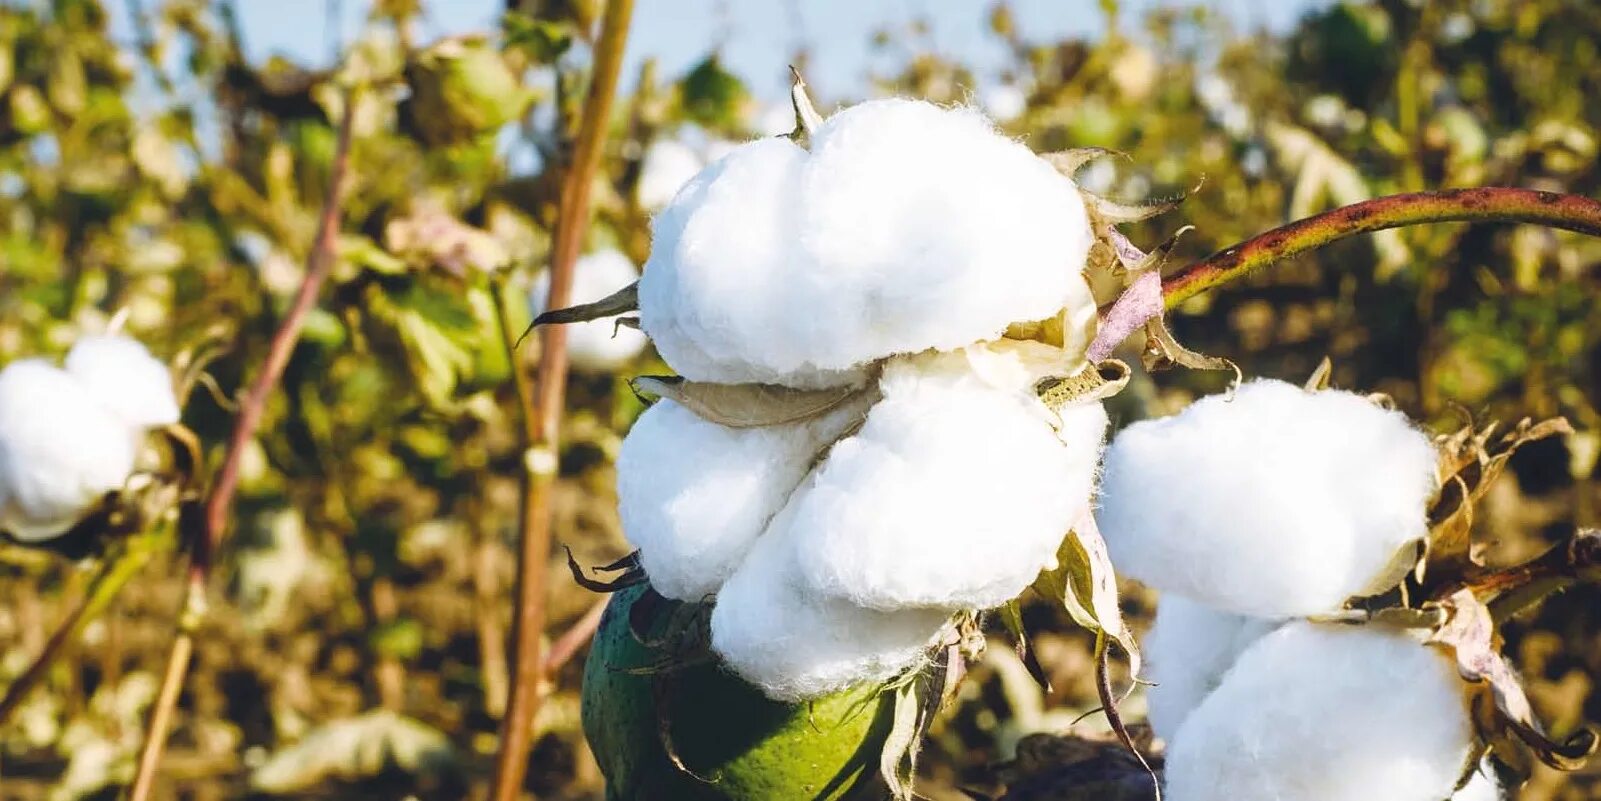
(595, 345)
(1189, 648)
(121, 375)
(667, 166)
(778, 634)
(694, 495)
(1279, 502)
(60, 449)
(1326, 713)
(906, 227)
(956, 491)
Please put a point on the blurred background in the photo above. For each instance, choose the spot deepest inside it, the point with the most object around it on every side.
(168, 159)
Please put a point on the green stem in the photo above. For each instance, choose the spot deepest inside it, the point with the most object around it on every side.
(1484, 204)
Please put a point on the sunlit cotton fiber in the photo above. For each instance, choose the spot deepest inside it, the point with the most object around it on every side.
(694, 494)
(1277, 502)
(907, 226)
(121, 375)
(1189, 648)
(60, 449)
(1326, 713)
(956, 491)
(777, 633)
(595, 345)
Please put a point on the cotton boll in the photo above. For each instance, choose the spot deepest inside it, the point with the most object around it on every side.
(596, 345)
(1326, 713)
(1189, 648)
(778, 634)
(721, 295)
(932, 230)
(905, 227)
(694, 495)
(1280, 502)
(954, 494)
(121, 375)
(667, 166)
(60, 449)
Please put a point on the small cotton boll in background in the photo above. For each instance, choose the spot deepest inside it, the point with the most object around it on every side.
(1280, 502)
(596, 345)
(719, 297)
(1326, 713)
(1189, 648)
(954, 494)
(694, 495)
(794, 644)
(121, 375)
(1004, 102)
(667, 166)
(60, 449)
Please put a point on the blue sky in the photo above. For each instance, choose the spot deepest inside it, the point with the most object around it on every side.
(755, 36)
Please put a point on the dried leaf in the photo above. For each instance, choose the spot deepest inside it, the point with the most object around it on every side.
(1138, 304)
(1104, 212)
(632, 573)
(1086, 585)
(1011, 616)
(1163, 351)
(1088, 385)
(1470, 461)
(620, 302)
(1109, 702)
(897, 761)
(1068, 162)
(749, 405)
(1319, 380)
(1469, 636)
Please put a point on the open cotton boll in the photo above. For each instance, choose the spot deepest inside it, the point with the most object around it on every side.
(667, 166)
(1280, 502)
(906, 227)
(595, 345)
(1326, 713)
(793, 643)
(720, 296)
(954, 494)
(1189, 648)
(932, 230)
(694, 495)
(121, 375)
(60, 449)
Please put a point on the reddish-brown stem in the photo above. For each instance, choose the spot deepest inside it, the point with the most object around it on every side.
(567, 645)
(541, 408)
(1483, 204)
(319, 263)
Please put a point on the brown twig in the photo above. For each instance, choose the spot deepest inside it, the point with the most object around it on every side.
(219, 504)
(1483, 204)
(568, 644)
(542, 409)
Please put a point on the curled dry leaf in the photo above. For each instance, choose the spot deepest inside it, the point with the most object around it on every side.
(749, 405)
(620, 302)
(1091, 384)
(1501, 709)
(1084, 582)
(632, 573)
(1470, 461)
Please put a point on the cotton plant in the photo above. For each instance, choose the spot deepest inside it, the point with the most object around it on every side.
(71, 434)
(1325, 630)
(885, 420)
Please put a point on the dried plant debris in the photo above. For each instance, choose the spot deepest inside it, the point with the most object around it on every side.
(1469, 462)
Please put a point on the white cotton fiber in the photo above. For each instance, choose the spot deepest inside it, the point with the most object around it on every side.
(121, 375)
(1279, 502)
(906, 227)
(694, 495)
(778, 634)
(956, 491)
(667, 166)
(1326, 713)
(595, 345)
(1189, 648)
(60, 449)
